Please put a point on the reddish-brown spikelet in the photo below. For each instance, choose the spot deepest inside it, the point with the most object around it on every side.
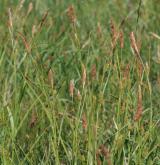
(126, 72)
(84, 75)
(27, 46)
(113, 28)
(71, 14)
(121, 39)
(134, 44)
(140, 69)
(139, 44)
(97, 157)
(93, 71)
(105, 152)
(50, 78)
(43, 20)
(138, 114)
(71, 88)
(84, 121)
(33, 120)
(114, 34)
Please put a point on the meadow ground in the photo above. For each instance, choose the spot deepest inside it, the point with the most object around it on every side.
(80, 82)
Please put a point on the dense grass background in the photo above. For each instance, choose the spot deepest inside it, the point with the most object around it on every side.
(40, 122)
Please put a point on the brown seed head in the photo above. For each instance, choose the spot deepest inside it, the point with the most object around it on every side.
(114, 34)
(10, 23)
(50, 78)
(113, 28)
(33, 120)
(140, 69)
(121, 39)
(84, 75)
(99, 30)
(98, 157)
(84, 121)
(79, 97)
(30, 8)
(26, 44)
(134, 44)
(71, 88)
(93, 71)
(71, 14)
(34, 30)
(105, 152)
(126, 72)
(138, 114)
(21, 4)
(44, 17)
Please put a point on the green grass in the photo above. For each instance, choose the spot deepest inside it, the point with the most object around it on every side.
(40, 122)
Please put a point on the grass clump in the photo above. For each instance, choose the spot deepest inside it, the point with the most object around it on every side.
(80, 82)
